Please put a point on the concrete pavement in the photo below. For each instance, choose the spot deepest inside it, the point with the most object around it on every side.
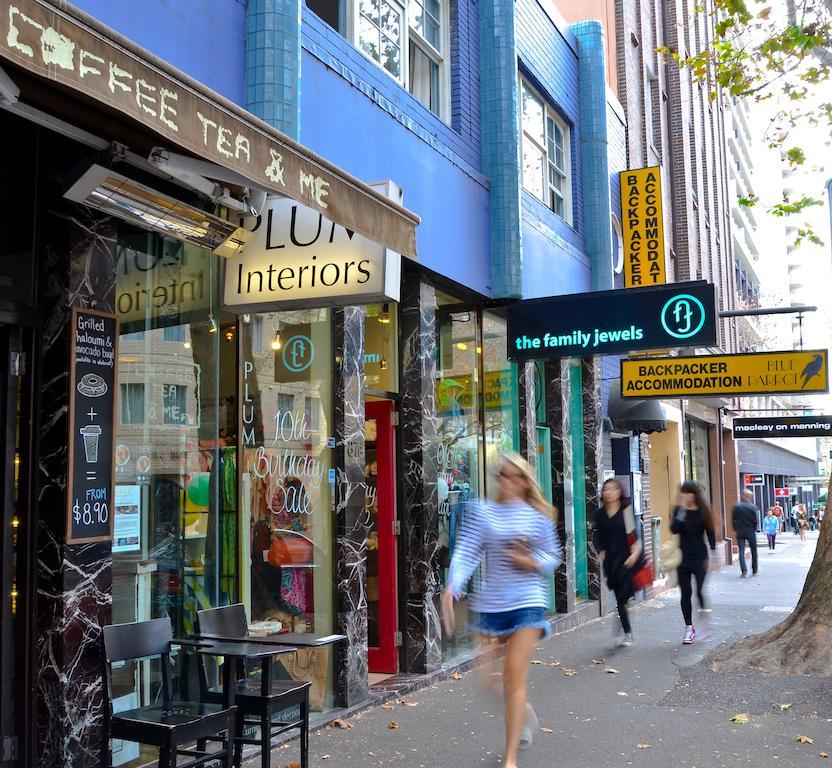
(649, 705)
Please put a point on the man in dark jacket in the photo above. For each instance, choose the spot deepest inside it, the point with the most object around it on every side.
(744, 520)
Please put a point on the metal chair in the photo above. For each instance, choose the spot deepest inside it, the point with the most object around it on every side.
(171, 724)
(253, 707)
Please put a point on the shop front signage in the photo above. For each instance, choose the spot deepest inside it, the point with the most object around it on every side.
(782, 492)
(643, 227)
(783, 426)
(93, 354)
(55, 42)
(751, 479)
(610, 322)
(298, 258)
(755, 373)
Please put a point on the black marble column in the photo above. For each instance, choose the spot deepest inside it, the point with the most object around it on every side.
(591, 396)
(556, 416)
(421, 625)
(74, 588)
(527, 399)
(351, 520)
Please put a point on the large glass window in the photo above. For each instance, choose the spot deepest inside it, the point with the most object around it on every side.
(545, 152)
(288, 493)
(381, 34)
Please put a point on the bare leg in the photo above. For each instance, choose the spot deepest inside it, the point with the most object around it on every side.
(515, 673)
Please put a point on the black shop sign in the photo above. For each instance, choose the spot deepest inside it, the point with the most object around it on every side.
(613, 322)
(93, 357)
(783, 426)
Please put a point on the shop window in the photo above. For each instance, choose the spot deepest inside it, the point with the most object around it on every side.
(545, 153)
(132, 403)
(286, 413)
(175, 404)
(406, 39)
(381, 344)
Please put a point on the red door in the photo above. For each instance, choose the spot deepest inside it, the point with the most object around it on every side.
(381, 547)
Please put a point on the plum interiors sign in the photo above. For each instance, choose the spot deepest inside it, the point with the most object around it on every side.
(782, 426)
(756, 373)
(300, 259)
(608, 322)
(643, 227)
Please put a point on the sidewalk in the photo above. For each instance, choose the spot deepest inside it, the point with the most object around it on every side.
(658, 696)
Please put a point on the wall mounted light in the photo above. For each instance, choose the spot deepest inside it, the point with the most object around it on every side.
(277, 342)
(212, 324)
(384, 316)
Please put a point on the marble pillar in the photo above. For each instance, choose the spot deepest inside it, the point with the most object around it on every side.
(527, 411)
(74, 581)
(351, 517)
(591, 393)
(421, 627)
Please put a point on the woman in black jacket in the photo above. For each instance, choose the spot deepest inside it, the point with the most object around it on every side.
(693, 521)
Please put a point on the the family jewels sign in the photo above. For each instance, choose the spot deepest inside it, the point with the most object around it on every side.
(93, 355)
(608, 322)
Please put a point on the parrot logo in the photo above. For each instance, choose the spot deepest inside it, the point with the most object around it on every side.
(812, 369)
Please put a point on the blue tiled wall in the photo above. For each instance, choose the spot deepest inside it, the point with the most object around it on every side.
(359, 118)
(187, 33)
(617, 160)
(273, 63)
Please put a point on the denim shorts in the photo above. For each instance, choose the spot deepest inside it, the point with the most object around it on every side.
(506, 623)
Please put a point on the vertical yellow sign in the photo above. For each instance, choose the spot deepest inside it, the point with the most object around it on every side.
(643, 225)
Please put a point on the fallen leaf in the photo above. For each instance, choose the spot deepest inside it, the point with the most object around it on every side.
(324, 757)
(388, 706)
(536, 661)
(343, 724)
(741, 718)
(569, 672)
(643, 746)
(804, 740)
(598, 661)
(822, 754)
(611, 671)
(784, 706)
(456, 676)
(547, 730)
(621, 693)
(554, 664)
(410, 703)
(496, 674)
(540, 649)
(392, 725)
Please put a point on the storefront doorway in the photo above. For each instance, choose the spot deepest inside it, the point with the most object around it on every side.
(15, 559)
(380, 474)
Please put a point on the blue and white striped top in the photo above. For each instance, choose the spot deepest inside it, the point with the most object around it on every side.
(487, 537)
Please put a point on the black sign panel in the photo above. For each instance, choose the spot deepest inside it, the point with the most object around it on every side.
(609, 322)
(783, 426)
(754, 479)
(93, 356)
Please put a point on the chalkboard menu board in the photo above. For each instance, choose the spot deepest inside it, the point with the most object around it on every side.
(93, 357)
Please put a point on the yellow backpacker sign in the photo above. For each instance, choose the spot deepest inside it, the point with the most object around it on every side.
(756, 373)
(643, 227)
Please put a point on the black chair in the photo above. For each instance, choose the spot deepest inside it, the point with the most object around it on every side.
(169, 725)
(253, 707)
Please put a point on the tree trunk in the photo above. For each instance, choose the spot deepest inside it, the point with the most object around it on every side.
(802, 644)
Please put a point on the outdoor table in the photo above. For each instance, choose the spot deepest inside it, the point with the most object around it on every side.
(295, 639)
(234, 653)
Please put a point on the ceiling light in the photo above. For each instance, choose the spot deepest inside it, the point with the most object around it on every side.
(383, 363)
(461, 345)
(384, 317)
(120, 196)
(212, 324)
(187, 345)
(276, 343)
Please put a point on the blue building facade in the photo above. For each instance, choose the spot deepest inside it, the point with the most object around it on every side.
(491, 122)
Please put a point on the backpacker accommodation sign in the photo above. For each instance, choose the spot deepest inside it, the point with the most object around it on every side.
(643, 227)
(757, 373)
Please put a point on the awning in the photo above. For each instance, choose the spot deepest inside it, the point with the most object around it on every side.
(634, 415)
(58, 42)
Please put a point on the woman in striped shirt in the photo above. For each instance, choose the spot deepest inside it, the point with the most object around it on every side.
(515, 540)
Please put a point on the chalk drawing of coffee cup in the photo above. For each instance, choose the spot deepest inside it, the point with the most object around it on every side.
(91, 433)
(92, 385)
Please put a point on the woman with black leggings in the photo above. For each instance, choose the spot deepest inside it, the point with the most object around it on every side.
(615, 524)
(693, 521)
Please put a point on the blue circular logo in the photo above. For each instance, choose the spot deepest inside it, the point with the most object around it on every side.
(683, 316)
(298, 353)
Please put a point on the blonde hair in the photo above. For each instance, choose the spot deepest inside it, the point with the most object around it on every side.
(533, 496)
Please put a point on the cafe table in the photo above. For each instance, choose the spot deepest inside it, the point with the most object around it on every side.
(235, 653)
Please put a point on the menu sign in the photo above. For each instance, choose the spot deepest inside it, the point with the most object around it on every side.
(92, 373)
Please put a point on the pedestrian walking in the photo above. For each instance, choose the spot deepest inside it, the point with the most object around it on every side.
(770, 528)
(692, 520)
(614, 524)
(802, 522)
(744, 521)
(516, 539)
(793, 517)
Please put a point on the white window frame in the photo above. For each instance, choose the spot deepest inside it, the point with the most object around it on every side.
(566, 171)
(408, 34)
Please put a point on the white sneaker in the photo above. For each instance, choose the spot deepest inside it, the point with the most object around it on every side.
(626, 640)
(690, 636)
(530, 725)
